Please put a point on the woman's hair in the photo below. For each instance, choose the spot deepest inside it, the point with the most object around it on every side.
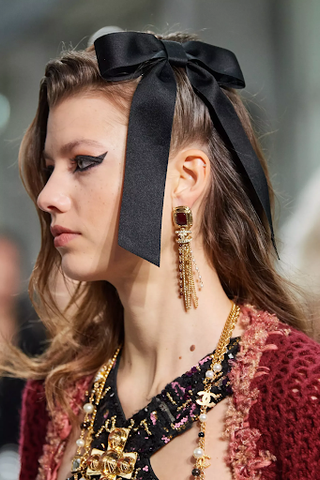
(236, 242)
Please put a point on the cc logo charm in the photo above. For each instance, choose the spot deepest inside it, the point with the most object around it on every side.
(206, 399)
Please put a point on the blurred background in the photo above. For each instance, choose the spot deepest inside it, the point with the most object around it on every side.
(277, 44)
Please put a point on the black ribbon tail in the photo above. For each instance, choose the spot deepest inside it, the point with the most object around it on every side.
(148, 145)
(209, 90)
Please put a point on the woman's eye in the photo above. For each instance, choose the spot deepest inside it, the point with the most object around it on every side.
(81, 162)
(84, 162)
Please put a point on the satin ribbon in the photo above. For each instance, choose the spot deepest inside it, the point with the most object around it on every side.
(128, 55)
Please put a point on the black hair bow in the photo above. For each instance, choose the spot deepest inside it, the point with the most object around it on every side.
(127, 55)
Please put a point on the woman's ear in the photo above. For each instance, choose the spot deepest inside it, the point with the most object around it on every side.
(191, 176)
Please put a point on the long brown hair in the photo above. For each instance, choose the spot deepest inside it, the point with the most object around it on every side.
(237, 244)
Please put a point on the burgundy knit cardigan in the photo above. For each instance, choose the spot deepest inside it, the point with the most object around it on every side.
(273, 419)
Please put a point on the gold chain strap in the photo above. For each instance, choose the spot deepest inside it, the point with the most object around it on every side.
(211, 376)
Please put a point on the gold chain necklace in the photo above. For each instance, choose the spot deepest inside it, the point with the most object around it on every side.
(79, 463)
(211, 376)
(114, 462)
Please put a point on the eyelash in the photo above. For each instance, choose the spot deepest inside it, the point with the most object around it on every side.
(83, 158)
(93, 161)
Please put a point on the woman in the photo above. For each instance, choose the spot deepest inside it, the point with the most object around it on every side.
(97, 176)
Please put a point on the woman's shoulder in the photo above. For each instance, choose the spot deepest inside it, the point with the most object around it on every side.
(34, 421)
(42, 432)
(275, 360)
(33, 404)
(278, 342)
(276, 400)
(277, 372)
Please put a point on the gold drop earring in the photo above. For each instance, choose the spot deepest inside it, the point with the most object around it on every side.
(182, 218)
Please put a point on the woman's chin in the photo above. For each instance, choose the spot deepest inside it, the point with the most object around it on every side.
(79, 271)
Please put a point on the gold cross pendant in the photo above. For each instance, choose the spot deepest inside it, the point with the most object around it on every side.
(113, 462)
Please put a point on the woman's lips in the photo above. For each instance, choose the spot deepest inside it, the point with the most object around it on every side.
(62, 235)
(64, 238)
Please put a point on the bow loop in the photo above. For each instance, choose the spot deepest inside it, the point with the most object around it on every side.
(176, 54)
(219, 62)
(122, 55)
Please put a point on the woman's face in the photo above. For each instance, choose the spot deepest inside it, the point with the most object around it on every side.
(84, 155)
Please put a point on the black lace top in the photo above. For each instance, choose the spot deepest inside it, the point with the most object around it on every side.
(167, 415)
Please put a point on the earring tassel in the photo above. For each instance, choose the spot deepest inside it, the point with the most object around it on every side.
(187, 285)
(182, 217)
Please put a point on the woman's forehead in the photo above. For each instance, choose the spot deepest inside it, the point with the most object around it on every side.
(83, 120)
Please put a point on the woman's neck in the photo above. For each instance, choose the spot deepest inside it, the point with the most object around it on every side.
(162, 340)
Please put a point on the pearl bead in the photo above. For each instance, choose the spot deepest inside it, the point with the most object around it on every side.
(198, 452)
(203, 417)
(217, 367)
(88, 408)
(98, 377)
(209, 374)
(80, 442)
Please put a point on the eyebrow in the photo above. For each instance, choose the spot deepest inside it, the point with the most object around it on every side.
(68, 147)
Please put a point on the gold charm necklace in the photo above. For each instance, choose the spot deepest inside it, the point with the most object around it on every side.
(114, 462)
(84, 458)
(211, 376)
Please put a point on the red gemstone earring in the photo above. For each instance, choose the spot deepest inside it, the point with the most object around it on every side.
(182, 218)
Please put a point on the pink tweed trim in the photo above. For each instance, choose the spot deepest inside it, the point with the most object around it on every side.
(243, 458)
(58, 431)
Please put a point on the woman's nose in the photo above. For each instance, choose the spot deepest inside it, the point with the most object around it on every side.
(54, 198)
